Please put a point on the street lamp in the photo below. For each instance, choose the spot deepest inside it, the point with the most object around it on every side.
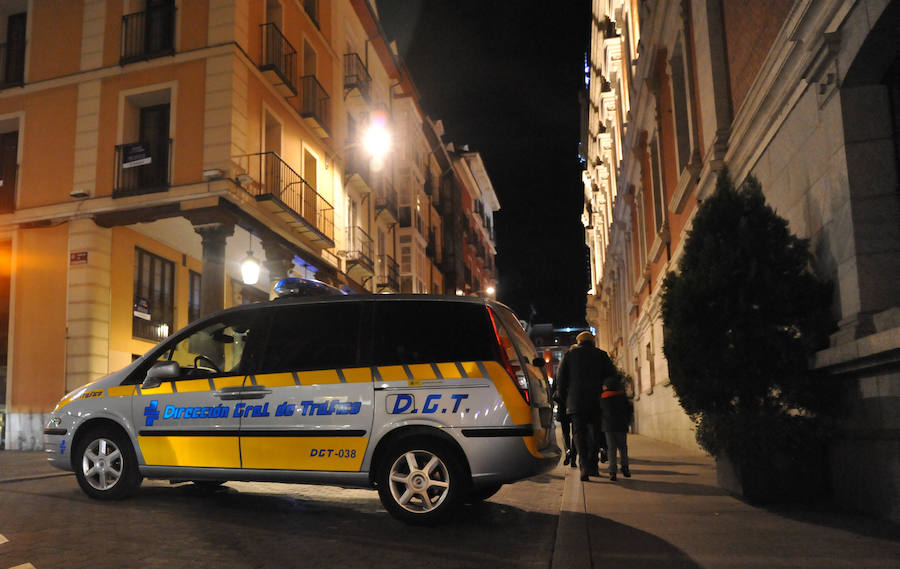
(377, 139)
(250, 266)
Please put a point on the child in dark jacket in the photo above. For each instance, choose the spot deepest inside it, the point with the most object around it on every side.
(616, 418)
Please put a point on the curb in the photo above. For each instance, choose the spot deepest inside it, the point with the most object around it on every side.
(572, 548)
(34, 477)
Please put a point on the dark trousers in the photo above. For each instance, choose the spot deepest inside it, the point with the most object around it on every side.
(617, 441)
(589, 440)
(565, 422)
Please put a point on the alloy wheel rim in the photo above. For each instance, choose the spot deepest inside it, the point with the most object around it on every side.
(102, 464)
(419, 481)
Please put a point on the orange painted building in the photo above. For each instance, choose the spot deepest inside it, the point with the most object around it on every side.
(149, 147)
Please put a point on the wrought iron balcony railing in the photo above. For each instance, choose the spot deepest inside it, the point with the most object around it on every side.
(279, 58)
(315, 104)
(356, 75)
(360, 248)
(386, 200)
(148, 34)
(274, 180)
(143, 168)
(12, 65)
(387, 274)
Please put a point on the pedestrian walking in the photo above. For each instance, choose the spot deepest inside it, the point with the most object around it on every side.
(580, 381)
(617, 410)
(565, 421)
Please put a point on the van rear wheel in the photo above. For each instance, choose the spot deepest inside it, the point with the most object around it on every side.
(420, 480)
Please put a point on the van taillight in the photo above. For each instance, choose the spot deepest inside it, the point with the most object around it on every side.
(510, 364)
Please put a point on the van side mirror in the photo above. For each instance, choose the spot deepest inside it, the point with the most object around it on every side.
(538, 362)
(159, 372)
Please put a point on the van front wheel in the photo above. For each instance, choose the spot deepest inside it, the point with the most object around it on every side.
(106, 466)
(420, 480)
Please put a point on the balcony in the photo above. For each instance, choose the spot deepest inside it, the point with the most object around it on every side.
(148, 34)
(357, 80)
(287, 196)
(279, 60)
(386, 200)
(359, 251)
(387, 275)
(358, 172)
(314, 105)
(12, 65)
(143, 168)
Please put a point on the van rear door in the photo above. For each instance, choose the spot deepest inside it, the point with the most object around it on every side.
(539, 387)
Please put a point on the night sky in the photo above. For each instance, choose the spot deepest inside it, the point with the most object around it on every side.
(504, 77)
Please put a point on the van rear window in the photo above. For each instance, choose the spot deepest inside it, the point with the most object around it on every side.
(415, 332)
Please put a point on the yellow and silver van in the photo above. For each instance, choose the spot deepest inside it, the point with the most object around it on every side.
(434, 401)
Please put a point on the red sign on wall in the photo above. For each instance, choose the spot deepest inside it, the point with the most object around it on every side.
(78, 258)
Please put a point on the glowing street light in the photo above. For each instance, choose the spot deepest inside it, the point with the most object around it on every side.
(377, 139)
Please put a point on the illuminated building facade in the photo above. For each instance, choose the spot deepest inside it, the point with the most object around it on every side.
(149, 147)
(805, 96)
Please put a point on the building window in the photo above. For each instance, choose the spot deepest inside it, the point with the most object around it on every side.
(148, 34)
(659, 210)
(12, 53)
(9, 152)
(312, 9)
(650, 365)
(681, 114)
(154, 293)
(194, 283)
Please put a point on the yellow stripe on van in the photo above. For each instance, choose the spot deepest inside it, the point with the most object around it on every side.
(422, 371)
(164, 388)
(392, 373)
(208, 452)
(449, 371)
(519, 411)
(193, 385)
(276, 380)
(319, 377)
(334, 454)
(222, 382)
(358, 375)
(120, 391)
(471, 369)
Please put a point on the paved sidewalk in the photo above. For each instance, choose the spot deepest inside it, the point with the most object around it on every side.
(672, 514)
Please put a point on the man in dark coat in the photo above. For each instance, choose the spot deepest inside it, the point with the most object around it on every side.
(580, 381)
(616, 417)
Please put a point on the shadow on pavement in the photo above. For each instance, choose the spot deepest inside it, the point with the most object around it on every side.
(347, 528)
(618, 546)
(653, 486)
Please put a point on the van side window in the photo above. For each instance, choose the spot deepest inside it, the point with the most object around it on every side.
(229, 346)
(415, 332)
(316, 336)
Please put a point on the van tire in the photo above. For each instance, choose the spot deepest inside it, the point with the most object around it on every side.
(105, 464)
(421, 480)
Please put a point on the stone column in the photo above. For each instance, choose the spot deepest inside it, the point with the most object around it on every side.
(279, 261)
(212, 288)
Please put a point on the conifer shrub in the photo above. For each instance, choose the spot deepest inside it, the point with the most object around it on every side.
(742, 316)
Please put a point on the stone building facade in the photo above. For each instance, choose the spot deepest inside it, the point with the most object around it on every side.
(805, 96)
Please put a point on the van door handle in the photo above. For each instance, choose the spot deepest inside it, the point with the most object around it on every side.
(240, 392)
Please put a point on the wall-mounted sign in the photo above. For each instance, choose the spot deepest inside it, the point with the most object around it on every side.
(135, 154)
(142, 308)
(78, 258)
